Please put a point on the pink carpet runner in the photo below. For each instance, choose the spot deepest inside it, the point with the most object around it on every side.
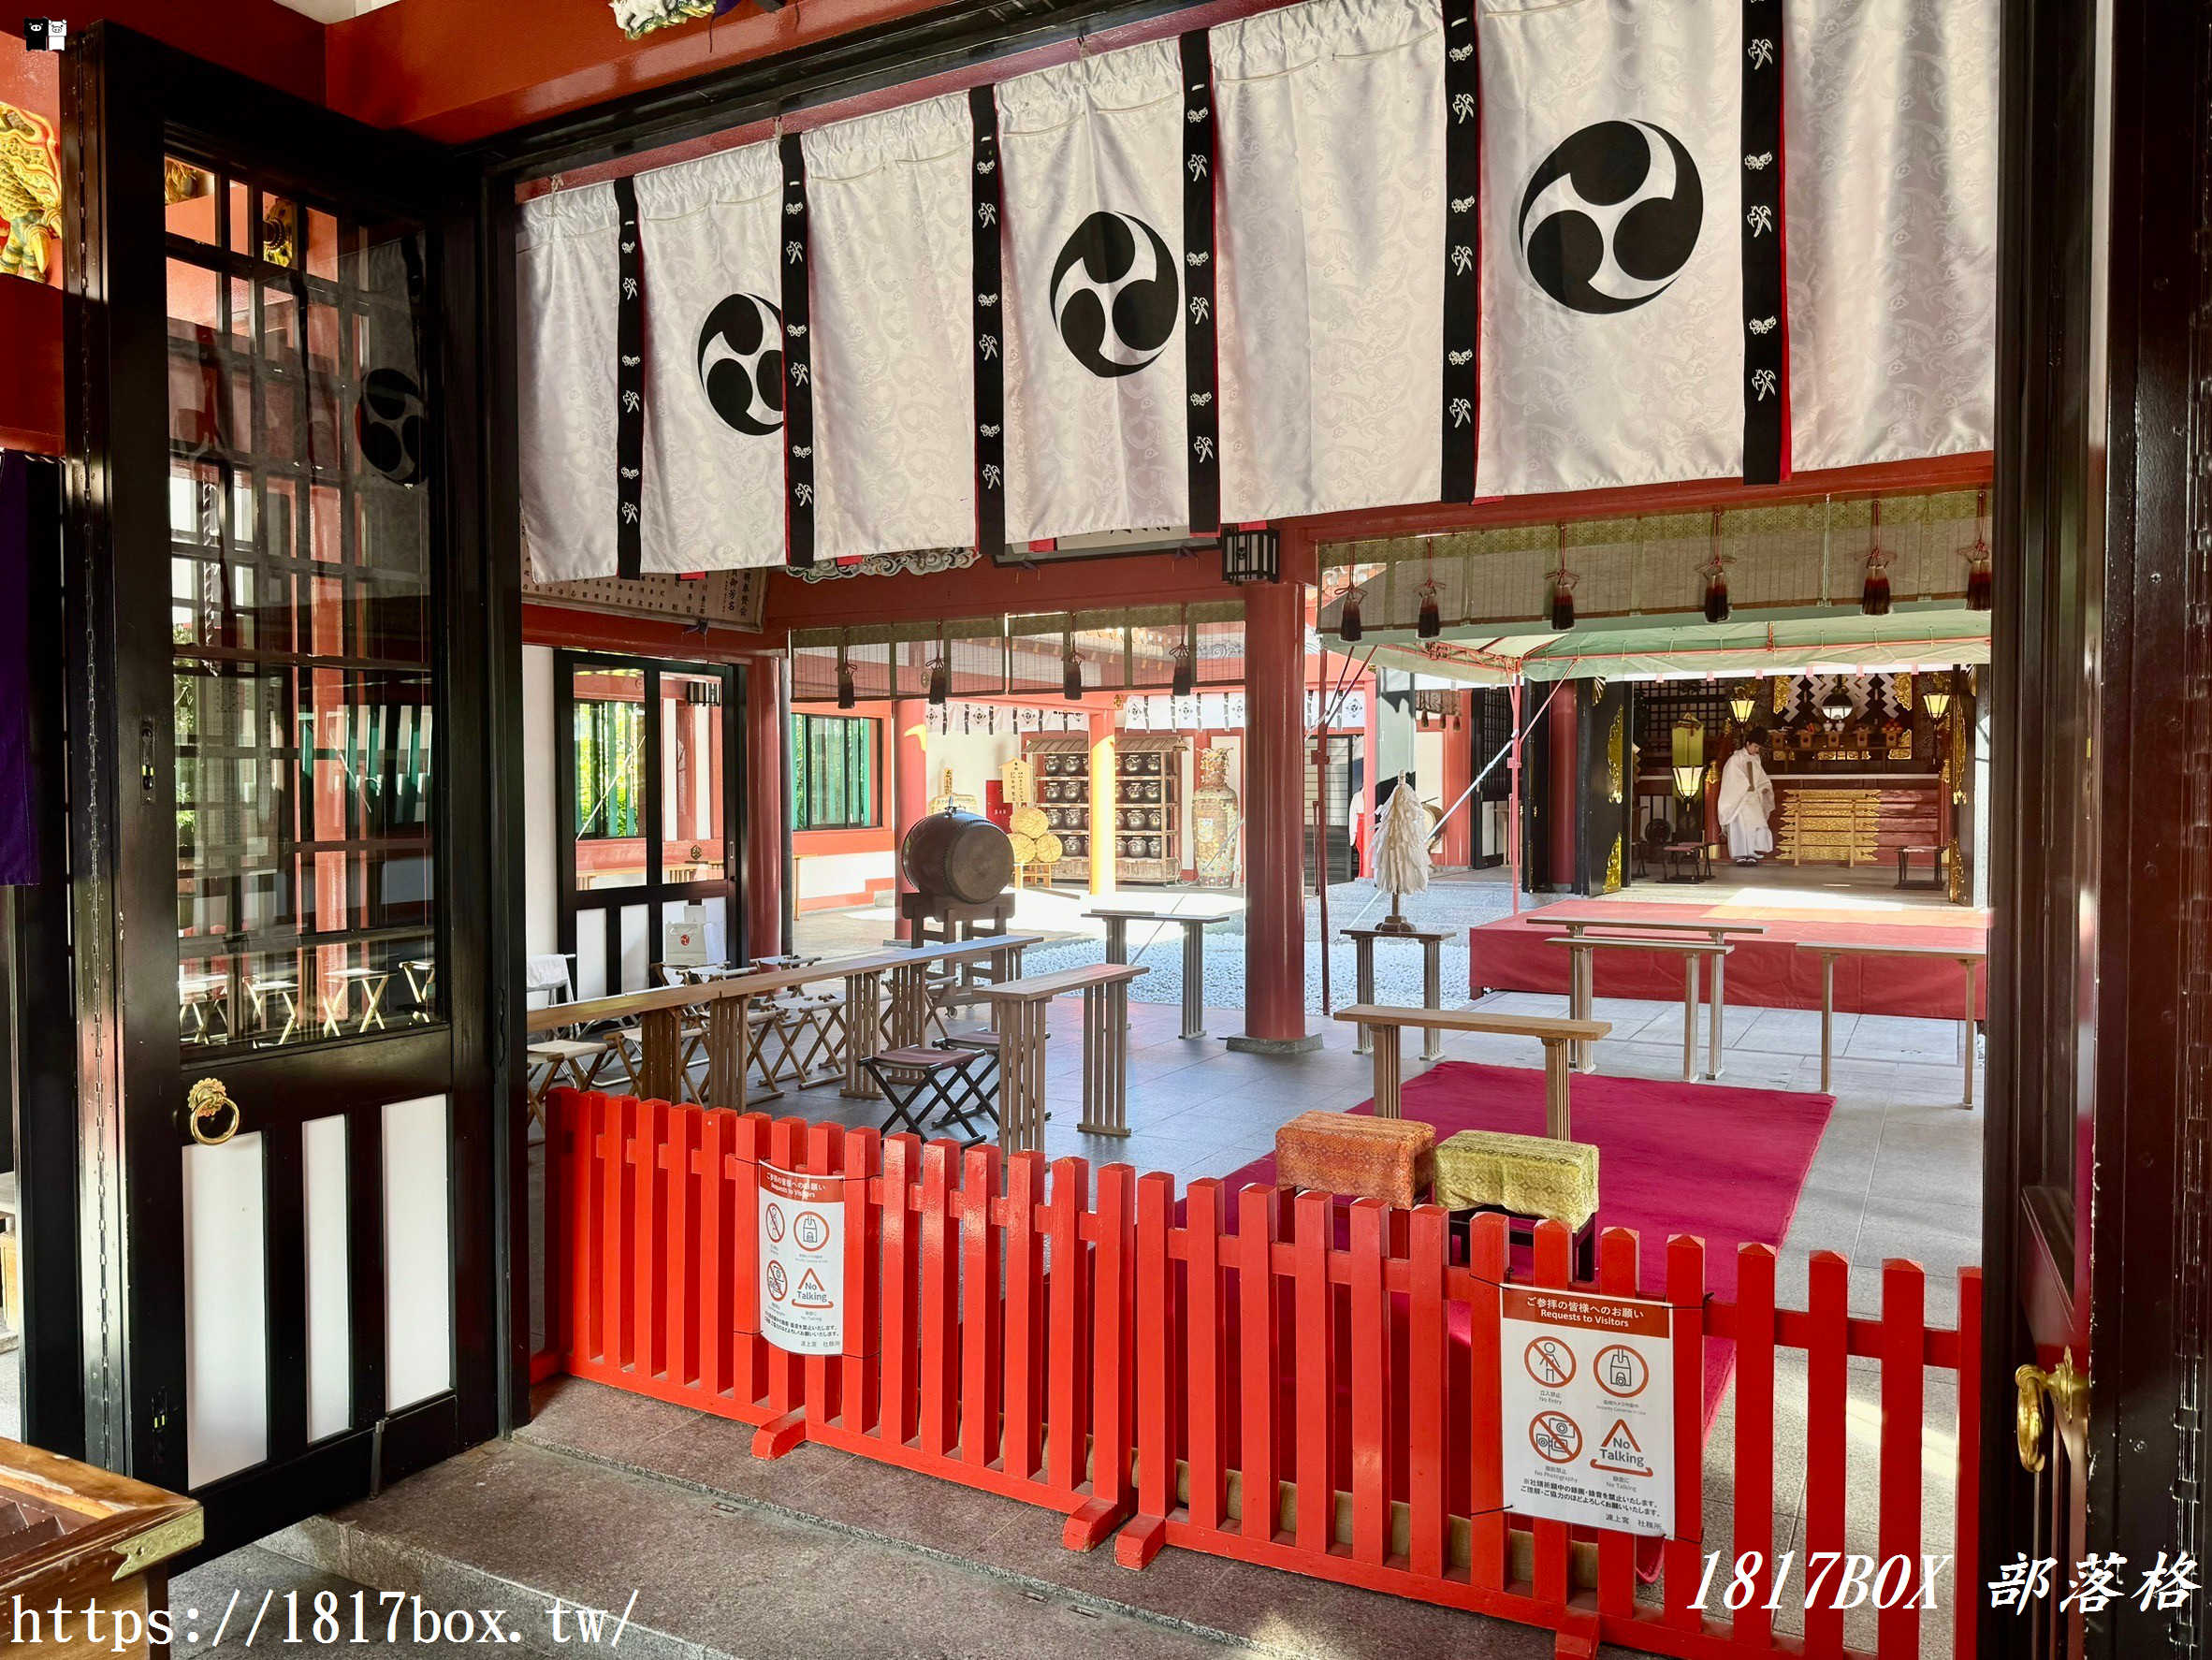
(1725, 1164)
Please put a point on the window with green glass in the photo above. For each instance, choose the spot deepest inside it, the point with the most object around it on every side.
(610, 786)
(833, 771)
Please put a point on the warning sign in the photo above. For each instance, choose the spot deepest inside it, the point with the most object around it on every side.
(803, 1261)
(1587, 1385)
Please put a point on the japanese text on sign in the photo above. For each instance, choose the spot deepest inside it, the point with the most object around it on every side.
(1587, 1387)
(803, 1261)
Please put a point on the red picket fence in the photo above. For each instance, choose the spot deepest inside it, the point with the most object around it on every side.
(1316, 1390)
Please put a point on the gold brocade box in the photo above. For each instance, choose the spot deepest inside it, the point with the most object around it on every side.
(1526, 1174)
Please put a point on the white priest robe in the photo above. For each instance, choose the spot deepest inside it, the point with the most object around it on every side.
(1747, 798)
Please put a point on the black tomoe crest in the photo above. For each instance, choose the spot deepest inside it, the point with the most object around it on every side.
(741, 364)
(1611, 217)
(389, 425)
(1115, 295)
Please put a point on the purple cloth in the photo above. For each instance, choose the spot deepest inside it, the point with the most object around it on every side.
(18, 831)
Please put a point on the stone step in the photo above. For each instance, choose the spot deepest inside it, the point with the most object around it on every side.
(608, 1493)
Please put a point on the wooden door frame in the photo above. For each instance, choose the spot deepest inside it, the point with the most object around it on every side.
(655, 892)
(2099, 1069)
(128, 101)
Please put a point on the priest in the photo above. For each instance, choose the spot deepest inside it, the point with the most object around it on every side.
(1747, 800)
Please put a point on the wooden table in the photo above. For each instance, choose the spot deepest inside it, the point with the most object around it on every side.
(1557, 1036)
(1969, 958)
(1432, 979)
(1582, 976)
(1117, 920)
(1018, 1016)
(728, 1003)
(1936, 856)
(1581, 992)
(95, 1544)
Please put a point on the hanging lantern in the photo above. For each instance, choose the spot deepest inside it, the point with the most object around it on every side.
(1977, 560)
(846, 693)
(1689, 757)
(1432, 619)
(1873, 598)
(1251, 554)
(1935, 695)
(1743, 703)
(1185, 659)
(1835, 703)
(1071, 668)
(1563, 589)
(1716, 577)
(1347, 621)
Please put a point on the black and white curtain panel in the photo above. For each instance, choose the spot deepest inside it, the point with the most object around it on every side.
(894, 388)
(1891, 215)
(1333, 229)
(1341, 255)
(1096, 386)
(711, 238)
(1612, 291)
(567, 282)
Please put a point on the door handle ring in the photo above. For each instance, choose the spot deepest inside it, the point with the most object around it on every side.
(209, 1114)
(2068, 1390)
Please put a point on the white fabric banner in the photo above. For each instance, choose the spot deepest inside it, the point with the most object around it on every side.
(1891, 121)
(713, 363)
(1095, 377)
(1333, 207)
(887, 201)
(1611, 254)
(565, 284)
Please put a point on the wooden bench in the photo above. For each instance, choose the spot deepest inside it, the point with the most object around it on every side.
(1581, 992)
(1969, 958)
(1018, 1016)
(1583, 973)
(1555, 1034)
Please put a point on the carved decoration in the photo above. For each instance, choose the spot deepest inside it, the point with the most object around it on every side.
(30, 192)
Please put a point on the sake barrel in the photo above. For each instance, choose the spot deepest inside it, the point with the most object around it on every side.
(1024, 848)
(1049, 849)
(958, 856)
(1028, 821)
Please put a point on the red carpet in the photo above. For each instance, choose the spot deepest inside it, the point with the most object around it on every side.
(1767, 971)
(1725, 1164)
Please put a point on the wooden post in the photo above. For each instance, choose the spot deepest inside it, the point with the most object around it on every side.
(1827, 1014)
(1689, 1017)
(1967, 1036)
(1194, 980)
(1558, 1068)
(1431, 995)
(864, 1017)
(1386, 1071)
(660, 1075)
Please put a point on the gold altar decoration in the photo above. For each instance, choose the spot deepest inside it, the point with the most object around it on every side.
(1613, 867)
(1616, 756)
(30, 191)
(1830, 826)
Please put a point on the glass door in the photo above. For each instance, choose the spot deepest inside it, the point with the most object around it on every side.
(296, 1091)
(649, 789)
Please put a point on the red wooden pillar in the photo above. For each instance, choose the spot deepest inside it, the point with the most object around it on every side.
(1456, 845)
(1565, 756)
(909, 776)
(766, 822)
(1274, 803)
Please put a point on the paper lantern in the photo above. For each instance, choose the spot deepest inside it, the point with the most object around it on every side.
(1689, 756)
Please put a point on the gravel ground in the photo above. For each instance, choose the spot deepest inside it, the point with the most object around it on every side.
(1452, 907)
